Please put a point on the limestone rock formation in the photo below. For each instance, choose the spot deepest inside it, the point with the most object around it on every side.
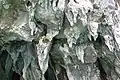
(59, 40)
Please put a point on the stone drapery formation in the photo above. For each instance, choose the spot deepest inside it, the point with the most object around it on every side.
(59, 40)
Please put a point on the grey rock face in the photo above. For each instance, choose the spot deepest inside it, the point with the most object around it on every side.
(59, 39)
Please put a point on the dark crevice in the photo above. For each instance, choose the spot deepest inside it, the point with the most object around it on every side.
(63, 74)
(75, 1)
(100, 39)
(64, 17)
(103, 74)
(49, 74)
(29, 3)
(18, 42)
(3, 61)
(51, 2)
(57, 3)
(3, 58)
(45, 29)
(92, 38)
(103, 16)
(34, 42)
(95, 6)
(67, 1)
(99, 43)
(60, 41)
(15, 76)
(20, 63)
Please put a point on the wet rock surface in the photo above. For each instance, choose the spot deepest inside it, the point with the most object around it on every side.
(59, 40)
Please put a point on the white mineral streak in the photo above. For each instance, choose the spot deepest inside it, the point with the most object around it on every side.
(21, 21)
(109, 42)
(92, 27)
(27, 58)
(50, 34)
(21, 28)
(52, 16)
(80, 8)
(6, 6)
(72, 34)
(112, 13)
(42, 53)
(32, 27)
(64, 49)
(116, 32)
(80, 52)
(71, 77)
(61, 5)
(31, 24)
(105, 3)
(116, 26)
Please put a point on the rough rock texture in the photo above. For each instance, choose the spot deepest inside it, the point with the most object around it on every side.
(59, 40)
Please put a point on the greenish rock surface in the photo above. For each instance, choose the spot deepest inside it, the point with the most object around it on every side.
(59, 40)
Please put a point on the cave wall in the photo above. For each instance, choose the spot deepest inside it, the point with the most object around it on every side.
(59, 40)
